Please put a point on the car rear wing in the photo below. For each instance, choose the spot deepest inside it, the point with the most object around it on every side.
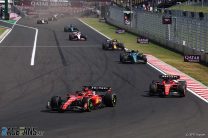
(98, 88)
(172, 77)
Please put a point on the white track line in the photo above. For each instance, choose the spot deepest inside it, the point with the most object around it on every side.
(147, 63)
(6, 35)
(94, 29)
(32, 63)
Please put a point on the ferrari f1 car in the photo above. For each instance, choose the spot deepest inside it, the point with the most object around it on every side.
(77, 36)
(71, 28)
(89, 98)
(42, 21)
(170, 85)
(112, 45)
(132, 56)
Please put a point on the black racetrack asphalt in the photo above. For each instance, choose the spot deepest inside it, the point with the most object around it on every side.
(62, 66)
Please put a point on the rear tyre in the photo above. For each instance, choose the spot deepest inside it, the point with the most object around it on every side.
(121, 58)
(121, 46)
(104, 47)
(110, 99)
(85, 37)
(145, 59)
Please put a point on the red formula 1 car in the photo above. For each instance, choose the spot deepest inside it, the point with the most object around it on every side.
(89, 98)
(170, 85)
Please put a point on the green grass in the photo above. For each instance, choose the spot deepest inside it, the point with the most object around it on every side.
(195, 70)
(2, 30)
(190, 8)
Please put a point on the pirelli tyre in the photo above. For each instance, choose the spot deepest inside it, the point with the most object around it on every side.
(110, 99)
(104, 47)
(144, 59)
(152, 89)
(123, 57)
(182, 88)
(87, 104)
(84, 37)
(56, 103)
(121, 46)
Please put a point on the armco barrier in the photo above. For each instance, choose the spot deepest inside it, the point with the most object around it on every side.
(186, 35)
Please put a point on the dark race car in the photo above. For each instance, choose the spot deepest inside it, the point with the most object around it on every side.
(170, 85)
(89, 98)
(71, 28)
(42, 21)
(112, 45)
(77, 36)
(132, 56)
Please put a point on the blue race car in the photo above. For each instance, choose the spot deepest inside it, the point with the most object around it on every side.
(133, 56)
(71, 28)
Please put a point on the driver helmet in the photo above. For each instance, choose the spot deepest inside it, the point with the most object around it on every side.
(93, 93)
(86, 89)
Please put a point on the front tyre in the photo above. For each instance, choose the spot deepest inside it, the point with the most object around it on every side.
(152, 89)
(56, 103)
(182, 89)
(145, 59)
(87, 104)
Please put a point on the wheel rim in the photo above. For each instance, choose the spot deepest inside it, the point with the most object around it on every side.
(90, 105)
(114, 100)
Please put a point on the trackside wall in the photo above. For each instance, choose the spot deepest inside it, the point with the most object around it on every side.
(187, 35)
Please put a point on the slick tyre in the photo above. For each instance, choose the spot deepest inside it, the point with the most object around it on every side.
(56, 103)
(182, 89)
(87, 104)
(84, 37)
(152, 89)
(121, 58)
(104, 47)
(121, 46)
(145, 59)
(110, 100)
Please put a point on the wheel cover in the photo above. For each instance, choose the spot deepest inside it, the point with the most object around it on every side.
(114, 100)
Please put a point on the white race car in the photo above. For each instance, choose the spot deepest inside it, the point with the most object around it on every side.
(42, 21)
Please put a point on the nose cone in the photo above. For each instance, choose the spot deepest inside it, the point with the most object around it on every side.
(167, 89)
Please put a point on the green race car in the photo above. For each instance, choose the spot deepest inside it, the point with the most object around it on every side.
(71, 28)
